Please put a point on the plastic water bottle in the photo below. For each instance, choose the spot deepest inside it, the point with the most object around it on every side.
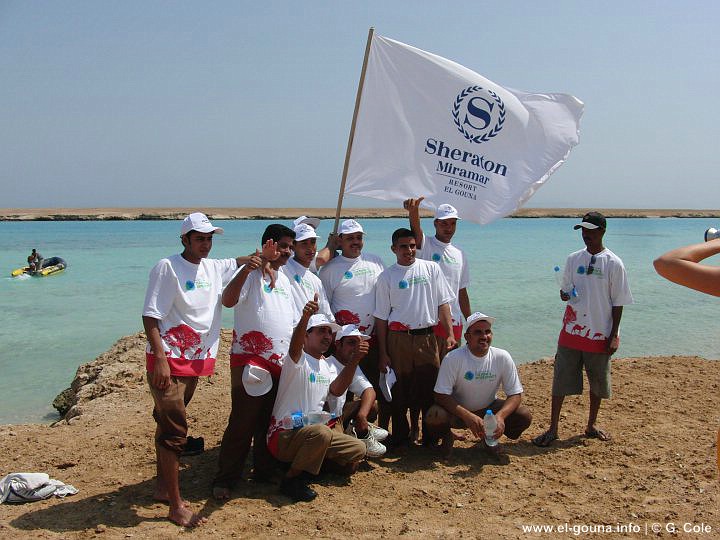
(490, 424)
(293, 420)
(558, 280)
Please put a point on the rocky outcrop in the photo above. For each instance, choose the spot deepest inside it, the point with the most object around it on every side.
(120, 368)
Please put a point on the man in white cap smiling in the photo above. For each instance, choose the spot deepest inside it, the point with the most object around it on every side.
(304, 283)
(467, 386)
(349, 280)
(182, 318)
(301, 432)
(326, 253)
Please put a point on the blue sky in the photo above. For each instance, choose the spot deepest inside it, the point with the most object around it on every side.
(249, 103)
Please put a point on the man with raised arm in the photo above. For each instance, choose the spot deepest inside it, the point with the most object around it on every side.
(411, 297)
(182, 318)
(452, 261)
(467, 386)
(349, 280)
(264, 318)
(304, 283)
(307, 382)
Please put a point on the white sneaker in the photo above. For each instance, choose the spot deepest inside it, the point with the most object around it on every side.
(378, 433)
(373, 448)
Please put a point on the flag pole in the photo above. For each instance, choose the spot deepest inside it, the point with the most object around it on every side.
(371, 32)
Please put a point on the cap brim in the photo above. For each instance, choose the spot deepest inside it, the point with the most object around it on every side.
(335, 328)
(586, 225)
(386, 382)
(307, 236)
(313, 222)
(256, 381)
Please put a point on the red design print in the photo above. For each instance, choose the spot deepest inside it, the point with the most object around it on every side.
(570, 315)
(345, 316)
(183, 338)
(255, 342)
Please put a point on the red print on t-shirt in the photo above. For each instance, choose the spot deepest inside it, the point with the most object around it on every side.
(345, 316)
(184, 339)
(255, 342)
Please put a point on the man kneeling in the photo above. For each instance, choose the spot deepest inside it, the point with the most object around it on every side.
(467, 386)
(306, 383)
(357, 413)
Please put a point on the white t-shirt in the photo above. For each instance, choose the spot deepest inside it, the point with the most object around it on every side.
(304, 285)
(358, 385)
(350, 289)
(410, 295)
(474, 381)
(186, 300)
(264, 322)
(304, 386)
(587, 321)
(453, 263)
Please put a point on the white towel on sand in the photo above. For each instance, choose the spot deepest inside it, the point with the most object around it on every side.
(27, 487)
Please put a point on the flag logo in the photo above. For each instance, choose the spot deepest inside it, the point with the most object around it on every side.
(479, 113)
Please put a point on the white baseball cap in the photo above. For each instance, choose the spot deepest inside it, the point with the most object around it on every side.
(446, 211)
(320, 319)
(350, 226)
(312, 221)
(197, 221)
(303, 231)
(256, 380)
(350, 330)
(386, 383)
(477, 316)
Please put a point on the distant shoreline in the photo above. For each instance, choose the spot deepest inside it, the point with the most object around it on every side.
(174, 213)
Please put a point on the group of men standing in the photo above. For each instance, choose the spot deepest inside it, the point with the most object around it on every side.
(301, 341)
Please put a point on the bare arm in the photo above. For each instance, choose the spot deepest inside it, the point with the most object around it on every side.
(328, 252)
(381, 330)
(682, 266)
(297, 341)
(510, 406)
(446, 322)
(413, 208)
(161, 370)
(471, 420)
(464, 301)
(613, 340)
(341, 383)
(231, 293)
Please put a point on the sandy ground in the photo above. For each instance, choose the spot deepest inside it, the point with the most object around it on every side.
(80, 214)
(659, 470)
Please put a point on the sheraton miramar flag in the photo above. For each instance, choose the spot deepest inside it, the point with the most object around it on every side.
(427, 126)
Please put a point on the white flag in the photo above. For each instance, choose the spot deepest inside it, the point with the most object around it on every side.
(430, 127)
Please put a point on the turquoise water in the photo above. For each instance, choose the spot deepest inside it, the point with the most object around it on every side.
(48, 326)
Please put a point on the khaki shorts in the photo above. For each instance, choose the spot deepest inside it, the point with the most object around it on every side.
(568, 377)
(169, 411)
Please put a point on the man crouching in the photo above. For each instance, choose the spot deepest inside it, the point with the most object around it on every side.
(307, 382)
(467, 384)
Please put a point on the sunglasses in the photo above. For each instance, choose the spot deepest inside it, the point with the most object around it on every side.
(591, 268)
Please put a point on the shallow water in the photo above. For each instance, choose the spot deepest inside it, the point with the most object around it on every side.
(51, 325)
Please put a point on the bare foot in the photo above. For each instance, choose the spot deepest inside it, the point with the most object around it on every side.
(458, 436)
(221, 493)
(162, 496)
(415, 436)
(185, 517)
